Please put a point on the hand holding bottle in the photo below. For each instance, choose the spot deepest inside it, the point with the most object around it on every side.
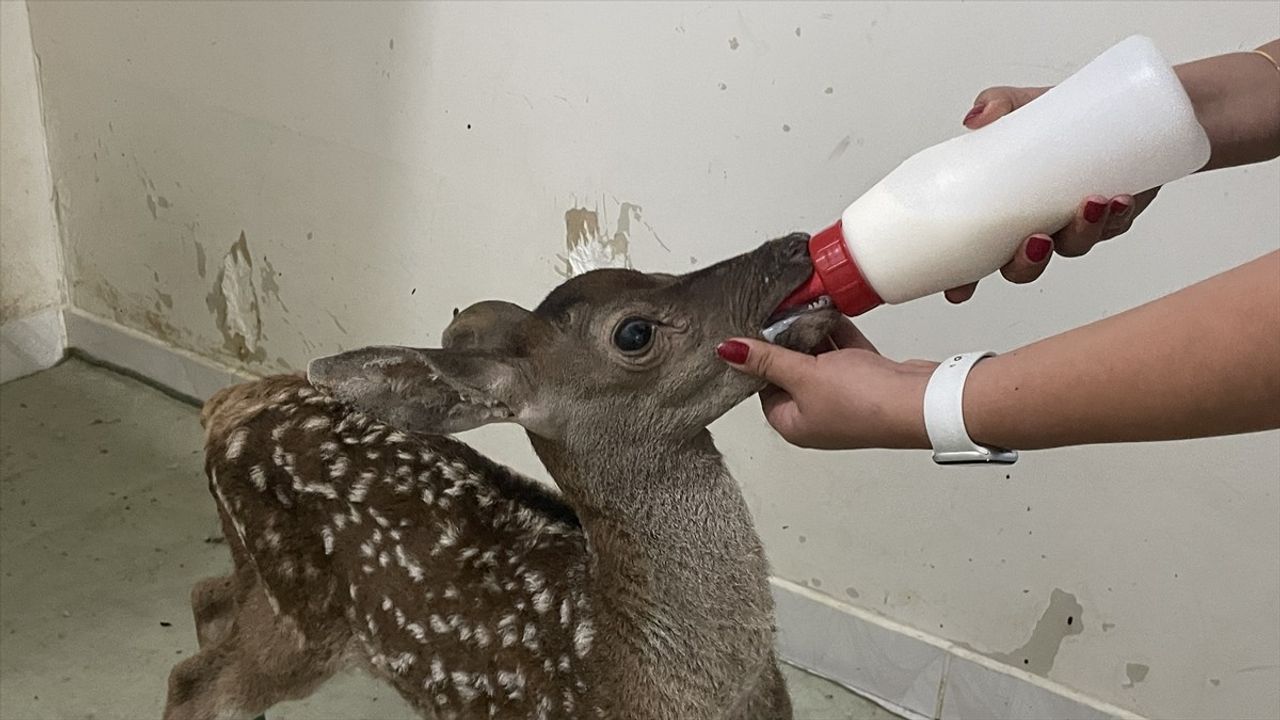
(1097, 218)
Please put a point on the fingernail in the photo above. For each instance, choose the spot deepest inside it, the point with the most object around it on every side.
(1038, 248)
(1093, 211)
(975, 112)
(1119, 207)
(733, 352)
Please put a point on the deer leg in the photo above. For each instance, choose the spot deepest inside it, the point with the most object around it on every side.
(769, 700)
(213, 605)
(259, 660)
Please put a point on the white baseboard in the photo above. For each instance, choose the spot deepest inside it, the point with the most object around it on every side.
(31, 344)
(182, 372)
(911, 673)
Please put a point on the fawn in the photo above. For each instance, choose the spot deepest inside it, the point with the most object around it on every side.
(362, 534)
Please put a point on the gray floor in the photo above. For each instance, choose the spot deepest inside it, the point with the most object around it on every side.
(105, 522)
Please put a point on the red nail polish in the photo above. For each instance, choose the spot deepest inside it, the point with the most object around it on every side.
(1119, 207)
(975, 112)
(733, 352)
(1038, 248)
(1093, 211)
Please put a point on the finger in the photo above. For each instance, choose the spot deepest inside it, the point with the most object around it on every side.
(1030, 260)
(996, 102)
(1119, 216)
(781, 412)
(960, 294)
(847, 335)
(1085, 229)
(1124, 210)
(771, 363)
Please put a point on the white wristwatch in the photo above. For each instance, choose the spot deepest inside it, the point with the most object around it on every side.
(944, 416)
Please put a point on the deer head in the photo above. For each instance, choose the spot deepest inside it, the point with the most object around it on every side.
(614, 353)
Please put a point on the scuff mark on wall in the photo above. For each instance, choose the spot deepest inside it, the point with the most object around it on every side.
(201, 261)
(840, 148)
(628, 212)
(234, 302)
(335, 322)
(270, 287)
(1136, 673)
(1063, 617)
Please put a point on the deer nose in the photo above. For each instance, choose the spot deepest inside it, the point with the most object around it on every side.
(796, 247)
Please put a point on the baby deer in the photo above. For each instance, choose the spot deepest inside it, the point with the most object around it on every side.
(362, 534)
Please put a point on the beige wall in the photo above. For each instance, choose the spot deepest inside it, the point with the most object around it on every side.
(30, 278)
(262, 183)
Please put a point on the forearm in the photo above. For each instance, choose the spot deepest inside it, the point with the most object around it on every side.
(1203, 361)
(1237, 100)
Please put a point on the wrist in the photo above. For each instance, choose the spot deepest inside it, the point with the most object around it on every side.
(903, 417)
(1236, 98)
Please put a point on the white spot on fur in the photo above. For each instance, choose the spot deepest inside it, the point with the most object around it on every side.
(258, 476)
(339, 467)
(316, 422)
(542, 601)
(326, 533)
(235, 444)
(582, 636)
(402, 662)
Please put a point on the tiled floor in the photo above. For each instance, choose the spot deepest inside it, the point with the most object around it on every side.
(105, 522)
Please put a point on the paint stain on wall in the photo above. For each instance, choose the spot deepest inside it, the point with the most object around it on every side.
(852, 593)
(1136, 673)
(587, 248)
(733, 43)
(234, 303)
(201, 261)
(1063, 617)
(131, 310)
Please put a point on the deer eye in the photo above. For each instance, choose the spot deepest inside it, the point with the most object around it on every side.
(633, 335)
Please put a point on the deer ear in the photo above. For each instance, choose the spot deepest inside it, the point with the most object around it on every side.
(429, 391)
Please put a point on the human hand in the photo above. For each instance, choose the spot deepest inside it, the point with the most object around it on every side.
(1097, 218)
(848, 397)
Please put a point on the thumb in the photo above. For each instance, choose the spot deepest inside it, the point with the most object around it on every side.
(776, 365)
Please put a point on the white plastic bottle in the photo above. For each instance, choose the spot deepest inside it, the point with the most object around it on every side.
(956, 212)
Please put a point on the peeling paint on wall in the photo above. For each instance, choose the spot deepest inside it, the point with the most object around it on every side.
(234, 302)
(591, 245)
(587, 248)
(1063, 617)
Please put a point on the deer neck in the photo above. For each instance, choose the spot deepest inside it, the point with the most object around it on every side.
(669, 533)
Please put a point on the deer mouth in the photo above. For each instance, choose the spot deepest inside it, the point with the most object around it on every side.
(783, 319)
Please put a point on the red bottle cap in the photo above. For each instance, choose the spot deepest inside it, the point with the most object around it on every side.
(835, 275)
